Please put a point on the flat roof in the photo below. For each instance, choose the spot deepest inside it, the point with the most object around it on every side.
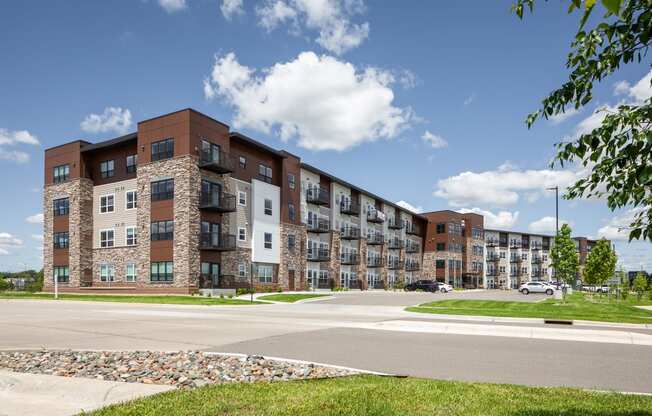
(257, 144)
(110, 143)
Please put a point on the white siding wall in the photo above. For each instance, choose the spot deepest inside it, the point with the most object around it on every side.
(265, 223)
(117, 220)
(243, 214)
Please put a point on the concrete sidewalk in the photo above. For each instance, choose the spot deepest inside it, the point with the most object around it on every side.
(33, 394)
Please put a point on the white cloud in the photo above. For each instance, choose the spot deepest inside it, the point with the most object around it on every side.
(561, 117)
(410, 207)
(435, 141)
(112, 119)
(618, 227)
(642, 90)
(14, 155)
(7, 242)
(621, 87)
(407, 79)
(14, 138)
(501, 187)
(546, 225)
(231, 8)
(172, 6)
(35, 219)
(503, 220)
(331, 18)
(324, 103)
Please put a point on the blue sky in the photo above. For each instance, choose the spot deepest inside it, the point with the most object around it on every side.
(420, 102)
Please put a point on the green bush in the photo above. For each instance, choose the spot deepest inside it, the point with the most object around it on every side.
(36, 285)
(399, 285)
(243, 291)
(5, 285)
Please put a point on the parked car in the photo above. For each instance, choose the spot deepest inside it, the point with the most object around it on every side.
(425, 285)
(536, 287)
(596, 289)
(557, 285)
(445, 287)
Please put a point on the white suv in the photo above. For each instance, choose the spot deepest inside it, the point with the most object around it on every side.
(536, 287)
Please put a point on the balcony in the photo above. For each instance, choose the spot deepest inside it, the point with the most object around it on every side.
(317, 196)
(217, 202)
(319, 225)
(413, 230)
(395, 224)
(350, 233)
(514, 244)
(412, 266)
(348, 259)
(217, 242)
(375, 239)
(493, 257)
(537, 260)
(515, 259)
(375, 217)
(535, 246)
(375, 262)
(395, 264)
(395, 244)
(412, 248)
(491, 243)
(318, 254)
(218, 162)
(352, 208)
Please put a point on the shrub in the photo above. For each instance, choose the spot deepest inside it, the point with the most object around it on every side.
(36, 285)
(5, 285)
(243, 291)
(399, 285)
(221, 295)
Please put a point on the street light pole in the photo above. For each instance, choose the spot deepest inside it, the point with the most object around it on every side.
(556, 189)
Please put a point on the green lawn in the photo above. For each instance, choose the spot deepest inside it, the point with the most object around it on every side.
(374, 395)
(290, 297)
(578, 306)
(171, 299)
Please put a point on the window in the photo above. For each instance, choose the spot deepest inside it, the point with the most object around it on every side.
(242, 234)
(441, 246)
(242, 270)
(61, 206)
(161, 190)
(107, 273)
(502, 254)
(106, 203)
(292, 242)
(60, 240)
(265, 173)
(242, 198)
(268, 240)
(291, 180)
(61, 173)
(162, 150)
(161, 271)
(441, 228)
(268, 207)
(440, 264)
(265, 273)
(60, 274)
(107, 168)
(131, 239)
(292, 215)
(131, 163)
(106, 238)
(242, 162)
(132, 199)
(162, 230)
(130, 274)
(210, 152)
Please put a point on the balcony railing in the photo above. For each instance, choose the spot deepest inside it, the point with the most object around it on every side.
(352, 208)
(375, 262)
(535, 246)
(210, 281)
(395, 264)
(218, 162)
(350, 233)
(349, 258)
(395, 224)
(378, 284)
(517, 259)
(375, 239)
(217, 242)
(376, 217)
(412, 266)
(395, 244)
(493, 257)
(514, 244)
(318, 254)
(319, 225)
(537, 260)
(217, 202)
(412, 248)
(491, 243)
(317, 196)
(413, 230)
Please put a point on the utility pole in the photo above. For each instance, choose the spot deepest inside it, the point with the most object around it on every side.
(556, 189)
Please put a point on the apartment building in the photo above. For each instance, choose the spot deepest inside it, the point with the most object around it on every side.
(184, 205)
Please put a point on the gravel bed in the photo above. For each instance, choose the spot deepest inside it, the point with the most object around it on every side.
(185, 369)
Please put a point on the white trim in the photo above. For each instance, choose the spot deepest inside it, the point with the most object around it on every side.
(100, 237)
(135, 228)
(129, 263)
(99, 205)
(245, 198)
(245, 233)
(135, 191)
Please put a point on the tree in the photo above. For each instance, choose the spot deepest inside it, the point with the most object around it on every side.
(600, 264)
(618, 154)
(639, 285)
(564, 257)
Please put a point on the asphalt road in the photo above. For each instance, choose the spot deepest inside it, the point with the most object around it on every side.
(362, 330)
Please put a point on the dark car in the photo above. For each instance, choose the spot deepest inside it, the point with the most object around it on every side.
(425, 285)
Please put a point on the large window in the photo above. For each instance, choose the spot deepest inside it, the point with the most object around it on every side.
(162, 230)
(291, 181)
(268, 240)
(130, 236)
(61, 206)
(210, 152)
(268, 207)
(441, 246)
(242, 234)
(132, 199)
(132, 160)
(162, 189)
(441, 228)
(107, 203)
(161, 271)
(292, 214)
(61, 274)
(60, 240)
(61, 173)
(265, 173)
(265, 273)
(162, 150)
(130, 273)
(107, 272)
(107, 168)
(440, 264)
(107, 238)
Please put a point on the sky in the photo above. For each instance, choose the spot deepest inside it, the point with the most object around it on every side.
(420, 102)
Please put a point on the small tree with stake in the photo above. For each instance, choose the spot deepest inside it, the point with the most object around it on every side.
(564, 258)
(600, 264)
(639, 285)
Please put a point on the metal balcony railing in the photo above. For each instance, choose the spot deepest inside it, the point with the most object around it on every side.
(493, 257)
(413, 229)
(218, 162)
(375, 239)
(412, 266)
(491, 243)
(349, 258)
(318, 254)
(375, 217)
(395, 264)
(351, 208)
(217, 242)
(395, 224)
(374, 262)
(217, 202)
(317, 196)
(319, 225)
(350, 233)
(395, 244)
(412, 248)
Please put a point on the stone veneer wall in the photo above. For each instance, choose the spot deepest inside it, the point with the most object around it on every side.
(295, 259)
(400, 273)
(362, 267)
(429, 266)
(383, 269)
(118, 257)
(334, 263)
(230, 260)
(80, 229)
